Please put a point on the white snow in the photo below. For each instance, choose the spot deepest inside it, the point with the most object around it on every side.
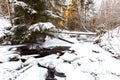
(25, 6)
(35, 72)
(88, 62)
(54, 42)
(69, 57)
(48, 60)
(84, 64)
(51, 14)
(78, 75)
(65, 68)
(107, 77)
(41, 26)
(97, 4)
(111, 41)
(4, 23)
(11, 65)
(67, 2)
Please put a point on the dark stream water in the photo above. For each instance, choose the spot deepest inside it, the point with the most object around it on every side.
(44, 52)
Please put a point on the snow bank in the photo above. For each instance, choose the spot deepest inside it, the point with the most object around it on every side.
(78, 75)
(107, 77)
(111, 41)
(4, 23)
(15, 65)
(8, 69)
(35, 72)
(6, 54)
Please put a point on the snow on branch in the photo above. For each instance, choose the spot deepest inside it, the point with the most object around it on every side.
(41, 26)
(25, 7)
(53, 15)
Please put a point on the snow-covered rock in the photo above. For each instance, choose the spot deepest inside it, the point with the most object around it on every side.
(48, 60)
(6, 74)
(69, 57)
(65, 68)
(10, 57)
(107, 77)
(34, 72)
(15, 65)
(78, 75)
(31, 61)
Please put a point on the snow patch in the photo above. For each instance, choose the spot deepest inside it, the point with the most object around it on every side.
(35, 72)
(110, 41)
(4, 23)
(41, 26)
(26, 7)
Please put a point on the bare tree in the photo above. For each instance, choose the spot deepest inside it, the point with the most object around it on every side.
(109, 13)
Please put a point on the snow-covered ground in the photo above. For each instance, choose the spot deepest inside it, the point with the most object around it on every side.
(88, 61)
(111, 41)
(4, 23)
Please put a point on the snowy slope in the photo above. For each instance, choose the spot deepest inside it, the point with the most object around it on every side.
(111, 41)
(4, 23)
(88, 62)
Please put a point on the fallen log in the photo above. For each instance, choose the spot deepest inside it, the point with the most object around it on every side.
(75, 32)
(65, 40)
(80, 33)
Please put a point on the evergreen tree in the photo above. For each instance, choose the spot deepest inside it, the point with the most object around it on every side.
(31, 12)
